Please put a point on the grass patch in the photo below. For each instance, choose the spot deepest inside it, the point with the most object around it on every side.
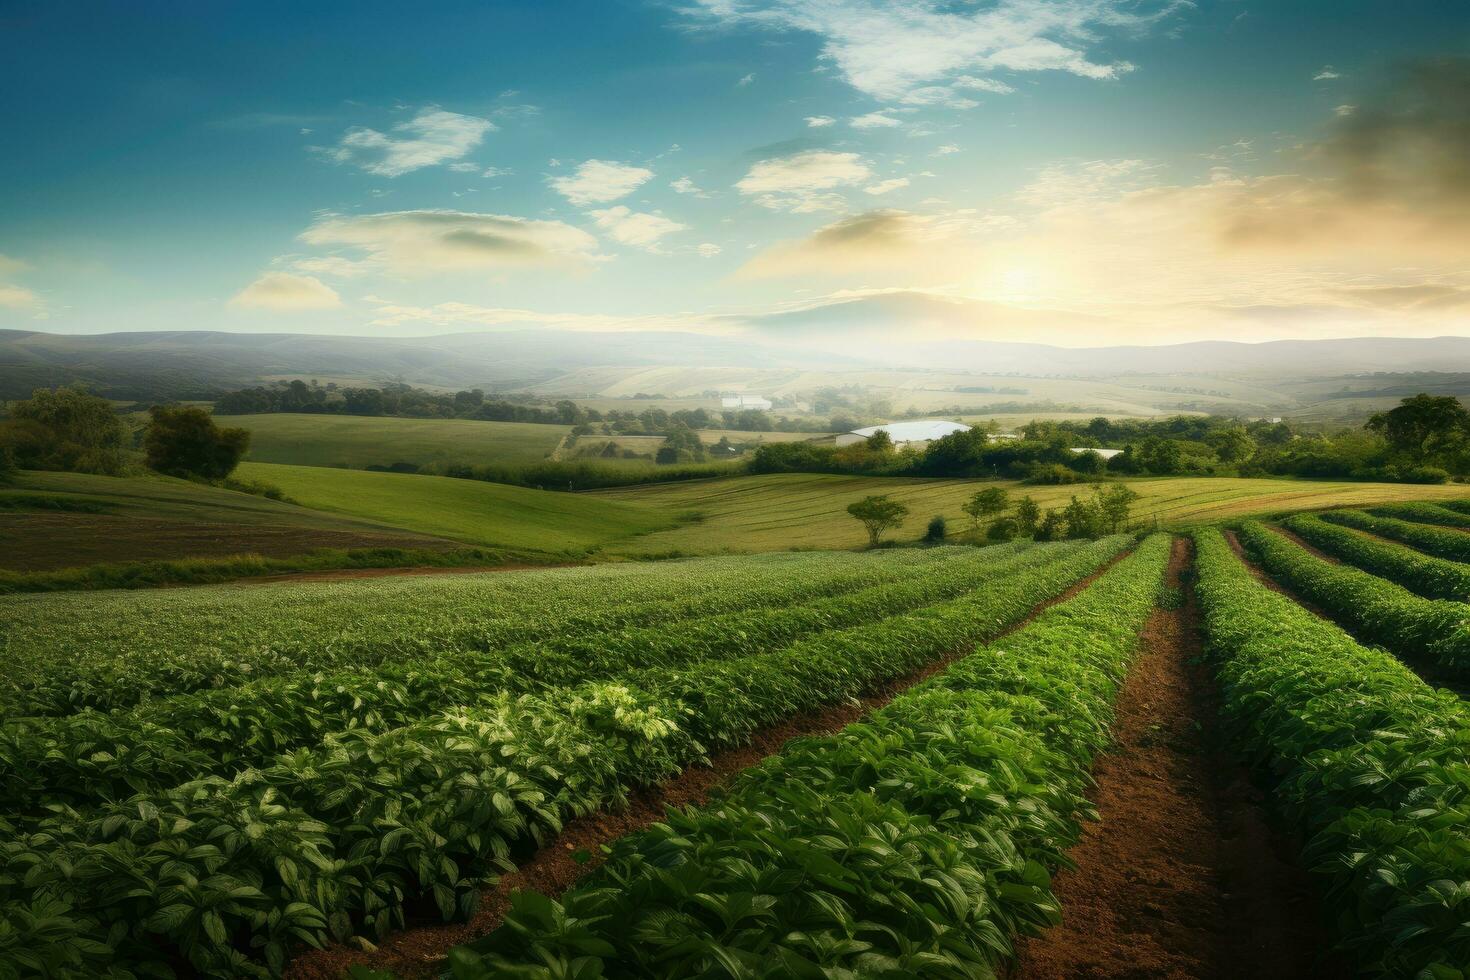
(360, 441)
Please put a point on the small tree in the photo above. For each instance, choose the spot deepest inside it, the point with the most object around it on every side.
(1116, 501)
(1051, 526)
(1001, 530)
(1084, 518)
(1028, 516)
(878, 514)
(991, 500)
(880, 442)
(937, 530)
(66, 429)
(184, 441)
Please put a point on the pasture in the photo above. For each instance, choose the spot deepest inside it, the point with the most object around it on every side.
(357, 441)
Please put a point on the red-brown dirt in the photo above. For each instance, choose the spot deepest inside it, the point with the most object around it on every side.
(1183, 876)
(420, 951)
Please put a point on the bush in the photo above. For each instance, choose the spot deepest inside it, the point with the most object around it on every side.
(184, 441)
(1051, 473)
(1004, 529)
(937, 530)
(66, 429)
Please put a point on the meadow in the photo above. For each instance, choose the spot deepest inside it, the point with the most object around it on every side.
(356, 442)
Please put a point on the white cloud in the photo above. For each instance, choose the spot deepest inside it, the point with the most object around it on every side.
(497, 172)
(804, 181)
(426, 242)
(817, 122)
(634, 227)
(464, 167)
(1345, 110)
(432, 137)
(18, 298)
(983, 85)
(332, 265)
(884, 186)
(599, 181)
(888, 48)
(686, 186)
(746, 80)
(708, 249)
(874, 120)
(1326, 75)
(938, 95)
(945, 150)
(284, 292)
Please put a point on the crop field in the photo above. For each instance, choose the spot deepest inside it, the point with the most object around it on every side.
(471, 511)
(762, 513)
(357, 442)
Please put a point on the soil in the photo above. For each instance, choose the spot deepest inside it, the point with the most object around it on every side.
(420, 951)
(1184, 876)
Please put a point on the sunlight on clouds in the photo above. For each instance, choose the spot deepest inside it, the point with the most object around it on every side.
(803, 182)
(283, 292)
(432, 137)
(600, 181)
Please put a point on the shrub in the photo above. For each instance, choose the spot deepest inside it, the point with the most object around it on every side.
(1004, 529)
(937, 529)
(184, 441)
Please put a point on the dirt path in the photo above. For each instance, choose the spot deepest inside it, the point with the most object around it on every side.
(1183, 876)
(420, 950)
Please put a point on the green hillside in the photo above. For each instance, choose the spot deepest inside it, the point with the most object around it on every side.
(359, 441)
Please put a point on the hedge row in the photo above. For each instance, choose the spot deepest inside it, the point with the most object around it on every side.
(1433, 578)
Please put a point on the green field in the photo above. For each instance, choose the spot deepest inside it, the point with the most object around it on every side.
(774, 512)
(157, 517)
(471, 511)
(358, 441)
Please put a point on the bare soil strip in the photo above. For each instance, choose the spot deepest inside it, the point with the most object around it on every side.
(420, 950)
(1183, 877)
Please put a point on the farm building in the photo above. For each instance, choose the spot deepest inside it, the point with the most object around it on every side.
(745, 401)
(918, 433)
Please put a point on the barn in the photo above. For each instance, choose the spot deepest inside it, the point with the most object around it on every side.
(918, 433)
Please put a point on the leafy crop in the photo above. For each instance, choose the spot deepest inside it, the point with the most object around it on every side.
(915, 843)
(1433, 578)
(229, 872)
(1441, 542)
(1370, 764)
(1426, 513)
(1375, 609)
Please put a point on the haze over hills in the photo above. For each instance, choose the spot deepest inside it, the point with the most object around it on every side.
(151, 364)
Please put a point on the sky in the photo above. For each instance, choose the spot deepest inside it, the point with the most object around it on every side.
(1077, 172)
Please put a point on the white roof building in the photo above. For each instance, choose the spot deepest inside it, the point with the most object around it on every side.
(918, 433)
(745, 401)
(1104, 453)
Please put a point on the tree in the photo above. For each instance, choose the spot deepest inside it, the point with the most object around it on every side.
(1233, 445)
(1001, 530)
(878, 514)
(1084, 518)
(1424, 428)
(991, 500)
(184, 441)
(1051, 526)
(880, 442)
(1116, 501)
(67, 429)
(1028, 516)
(938, 529)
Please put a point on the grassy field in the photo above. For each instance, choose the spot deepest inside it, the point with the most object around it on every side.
(489, 514)
(156, 517)
(767, 513)
(358, 441)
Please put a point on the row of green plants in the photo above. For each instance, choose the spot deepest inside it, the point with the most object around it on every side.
(89, 756)
(1442, 542)
(145, 645)
(1425, 513)
(228, 876)
(1430, 631)
(915, 843)
(1433, 578)
(1368, 763)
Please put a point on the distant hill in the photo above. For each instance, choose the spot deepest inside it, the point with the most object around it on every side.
(185, 363)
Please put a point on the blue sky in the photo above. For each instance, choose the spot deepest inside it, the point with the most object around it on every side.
(1072, 171)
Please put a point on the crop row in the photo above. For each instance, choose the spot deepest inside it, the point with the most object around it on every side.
(92, 756)
(1431, 577)
(140, 645)
(1370, 764)
(330, 841)
(1425, 513)
(1375, 609)
(1442, 542)
(915, 843)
